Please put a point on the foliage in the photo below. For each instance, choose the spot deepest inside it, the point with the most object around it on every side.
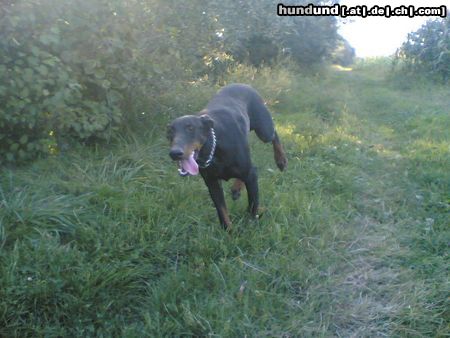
(60, 74)
(77, 70)
(344, 54)
(427, 50)
(311, 39)
(271, 82)
(262, 36)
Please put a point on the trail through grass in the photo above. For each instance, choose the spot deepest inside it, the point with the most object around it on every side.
(354, 242)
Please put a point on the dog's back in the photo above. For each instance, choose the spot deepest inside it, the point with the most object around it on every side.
(242, 99)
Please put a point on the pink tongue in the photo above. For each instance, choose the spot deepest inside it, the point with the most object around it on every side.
(190, 165)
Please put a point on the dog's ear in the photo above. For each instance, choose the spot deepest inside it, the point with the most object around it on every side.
(207, 121)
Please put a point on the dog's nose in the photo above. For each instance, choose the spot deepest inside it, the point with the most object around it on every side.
(176, 154)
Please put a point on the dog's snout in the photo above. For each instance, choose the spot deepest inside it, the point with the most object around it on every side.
(176, 154)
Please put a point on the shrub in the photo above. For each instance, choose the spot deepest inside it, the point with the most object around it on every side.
(427, 50)
(55, 83)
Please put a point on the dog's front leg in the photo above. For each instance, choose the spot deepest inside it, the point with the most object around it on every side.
(216, 192)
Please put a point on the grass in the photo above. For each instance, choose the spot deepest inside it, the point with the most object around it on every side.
(354, 243)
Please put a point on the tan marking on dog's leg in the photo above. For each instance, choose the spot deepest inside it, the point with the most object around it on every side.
(279, 154)
(236, 189)
(226, 218)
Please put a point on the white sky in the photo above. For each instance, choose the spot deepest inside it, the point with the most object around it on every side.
(377, 36)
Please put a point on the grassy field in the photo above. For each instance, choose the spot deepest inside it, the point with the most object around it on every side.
(355, 240)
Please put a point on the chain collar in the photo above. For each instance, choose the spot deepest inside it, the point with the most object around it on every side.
(211, 154)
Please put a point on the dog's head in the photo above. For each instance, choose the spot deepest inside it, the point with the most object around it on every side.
(186, 135)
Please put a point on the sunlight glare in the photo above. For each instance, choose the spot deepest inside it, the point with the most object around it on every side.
(380, 36)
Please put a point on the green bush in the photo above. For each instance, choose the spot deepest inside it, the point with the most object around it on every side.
(427, 50)
(77, 71)
(54, 84)
(262, 36)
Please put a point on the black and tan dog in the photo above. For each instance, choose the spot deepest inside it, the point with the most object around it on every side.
(215, 143)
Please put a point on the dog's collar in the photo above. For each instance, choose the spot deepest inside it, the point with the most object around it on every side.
(208, 161)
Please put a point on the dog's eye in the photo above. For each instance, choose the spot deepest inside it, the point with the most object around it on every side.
(190, 127)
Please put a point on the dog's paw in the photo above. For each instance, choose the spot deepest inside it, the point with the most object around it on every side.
(257, 213)
(281, 161)
(260, 212)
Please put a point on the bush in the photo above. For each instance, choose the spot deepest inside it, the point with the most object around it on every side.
(427, 50)
(262, 36)
(56, 81)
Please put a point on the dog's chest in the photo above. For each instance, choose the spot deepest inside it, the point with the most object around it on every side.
(223, 169)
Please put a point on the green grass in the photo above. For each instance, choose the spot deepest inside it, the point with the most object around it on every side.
(355, 240)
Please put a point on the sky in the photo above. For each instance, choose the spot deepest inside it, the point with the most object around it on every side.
(380, 36)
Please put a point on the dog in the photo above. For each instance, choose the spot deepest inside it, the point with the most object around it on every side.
(214, 143)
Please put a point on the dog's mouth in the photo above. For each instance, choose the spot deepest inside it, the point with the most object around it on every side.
(189, 166)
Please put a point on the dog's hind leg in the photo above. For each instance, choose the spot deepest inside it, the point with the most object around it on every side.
(261, 122)
(236, 189)
(278, 153)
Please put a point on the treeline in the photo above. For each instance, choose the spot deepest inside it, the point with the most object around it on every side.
(77, 70)
(427, 50)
